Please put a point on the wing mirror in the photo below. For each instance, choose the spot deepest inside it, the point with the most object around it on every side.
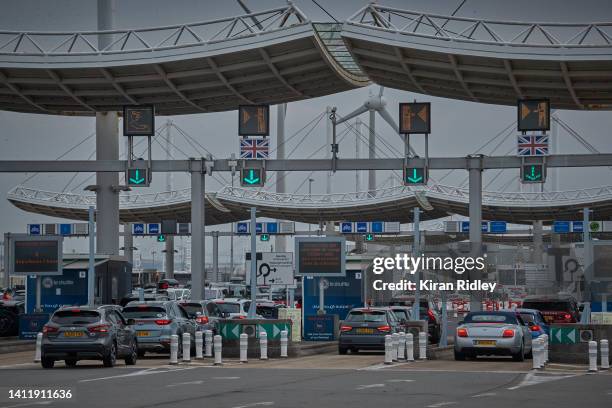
(131, 322)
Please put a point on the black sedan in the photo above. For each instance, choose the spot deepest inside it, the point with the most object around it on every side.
(366, 328)
(83, 333)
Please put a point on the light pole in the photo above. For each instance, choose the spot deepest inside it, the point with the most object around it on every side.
(310, 180)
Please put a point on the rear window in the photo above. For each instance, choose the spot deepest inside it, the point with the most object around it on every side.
(229, 307)
(491, 318)
(528, 317)
(75, 317)
(143, 312)
(192, 308)
(366, 316)
(401, 314)
(559, 306)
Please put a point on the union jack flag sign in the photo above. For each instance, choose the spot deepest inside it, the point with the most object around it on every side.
(254, 148)
(533, 145)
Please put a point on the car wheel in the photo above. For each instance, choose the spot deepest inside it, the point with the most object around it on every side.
(133, 355)
(520, 356)
(342, 350)
(459, 356)
(111, 357)
(47, 362)
(530, 354)
(71, 363)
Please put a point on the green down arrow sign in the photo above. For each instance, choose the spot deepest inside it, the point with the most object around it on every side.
(137, 177)
(415, 175)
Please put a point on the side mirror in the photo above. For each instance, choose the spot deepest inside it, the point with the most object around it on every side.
(131, 322)
(460, 322)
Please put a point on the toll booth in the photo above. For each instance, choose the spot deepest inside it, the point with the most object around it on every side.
(112, 282)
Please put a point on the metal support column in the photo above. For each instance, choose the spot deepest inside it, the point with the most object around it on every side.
(197, 233)
(588, 254)
(416, 250)
(91, 273)
(358, 153)
(107, 193)
(281, 111)
(169, 257)
(215, 248)
(128, 243)
(372, 151)
(475, 213)
(538, 246)
(7, 260)
(253, 271)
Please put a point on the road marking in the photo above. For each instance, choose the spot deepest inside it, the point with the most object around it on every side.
(363, 387)
(18, 365)
(185, 383)
(28, 404)
(226, 378)
(399, 381)
(256, 404)
(441, 404)
(147, 371)
(486, 394)
(533, 379)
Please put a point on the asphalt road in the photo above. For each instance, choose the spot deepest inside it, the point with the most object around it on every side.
(285, 383)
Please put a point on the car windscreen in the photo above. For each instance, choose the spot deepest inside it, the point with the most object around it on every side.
(192, 309)
(541, 305)
(366, 316)
(229, 307)
(491, 318)
(143, 312)
(75, 316)
(528, 317)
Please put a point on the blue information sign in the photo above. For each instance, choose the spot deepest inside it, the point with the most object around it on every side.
(319, 328)
(138, 229)
(258, 227)
(361, 226)
(378, 227)
(346, 227)
(465, 226)
(561, 227)
(578, 226)
(272, 227)
(498, 227)
(153, 229)
(31, 324)
(67, 289)
(343, 294)
(242, 228)
(34, 229)
(65, 229)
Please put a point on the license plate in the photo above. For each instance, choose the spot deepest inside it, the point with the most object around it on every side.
(142, 334)
(485, 342)
(73, 334)
(365, 330)
(549, 319)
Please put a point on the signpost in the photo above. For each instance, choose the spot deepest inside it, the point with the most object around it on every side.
(273, 268)
(564, 335)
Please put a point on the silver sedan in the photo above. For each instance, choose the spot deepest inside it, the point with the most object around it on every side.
(493, 333)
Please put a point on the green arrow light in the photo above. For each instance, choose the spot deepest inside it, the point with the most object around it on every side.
(161, 238)
(137, 179)
(251, 179)
(532, 176)
(369, 237)
(415, 177)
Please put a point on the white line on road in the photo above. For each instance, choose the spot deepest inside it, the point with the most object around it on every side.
(399, 381)
(533, 379)
(28, 404)
(486, 394)
(226, 378)
(148, 371)
(256, 404)
(441, 404)
(363, 387)
(185, 383)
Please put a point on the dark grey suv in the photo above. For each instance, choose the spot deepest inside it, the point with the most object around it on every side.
(83, 333)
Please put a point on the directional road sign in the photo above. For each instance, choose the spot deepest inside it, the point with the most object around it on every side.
(264, 237)
(254, 120)
(138, 229)
(242, 227)
(139, 120)
(415, 118)
(274, 268)
(498, 227)
(415, 176)
(368, 237)
(137, 178)
(153, 229)
(361, 227)
(564, 335)
(34, 229)
(533, 114)
(252, 177)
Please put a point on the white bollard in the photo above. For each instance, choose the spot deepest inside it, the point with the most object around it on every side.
(199, 342)
(186, 347)
(605, 354)
(409, 347)
(395, 338)
(592, 356)
(401, 349)
(422, 346)
(244, 347)
(38, 351)
(388, 349)
(537, 353)
(174, 349)
(217, 340)
(545, 342)
(284, 343)
(263, 345)
(208, 340)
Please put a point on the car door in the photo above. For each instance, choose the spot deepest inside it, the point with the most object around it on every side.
(526, 332)
(118, 328)
(190, 325)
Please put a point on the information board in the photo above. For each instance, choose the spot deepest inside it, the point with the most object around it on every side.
(36, 254)
(414, 117)
(320, 256)
(254, 120)
(139, 120)
(533, 114)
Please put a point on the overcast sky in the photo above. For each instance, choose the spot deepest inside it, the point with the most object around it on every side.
(27, 136)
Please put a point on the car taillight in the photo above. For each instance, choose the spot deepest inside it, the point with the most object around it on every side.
(535, 327)
(163, 322)
(508, 333)
(240, 317)
(567, 316)
(384, 329)
(49, 329)
(432, 317)
(102, 328)
(346, 328)
(164, 285)
(462, 333)
(202, 319)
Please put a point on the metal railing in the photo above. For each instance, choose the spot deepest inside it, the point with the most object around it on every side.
(43, 43)
(513, 33)
(255, 196)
